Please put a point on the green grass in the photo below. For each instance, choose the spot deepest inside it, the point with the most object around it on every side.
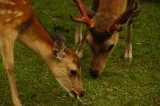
(122, 83)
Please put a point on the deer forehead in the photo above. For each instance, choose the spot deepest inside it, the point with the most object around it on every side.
(65, 66)
(71, 63)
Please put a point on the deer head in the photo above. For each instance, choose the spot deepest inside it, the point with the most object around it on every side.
(67, 67)
(104, 27)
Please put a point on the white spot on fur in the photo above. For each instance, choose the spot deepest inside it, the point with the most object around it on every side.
(19, 14)
(8, 20)
(15, 12)
(24, 2)
(7, 2)
(3, 11)
(9, 11)
(115, 17)
(3, 1)
(10, 2)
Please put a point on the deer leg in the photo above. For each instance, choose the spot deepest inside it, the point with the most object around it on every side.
(78, 34)
(7, 48)
(128, 48)
(82, 44)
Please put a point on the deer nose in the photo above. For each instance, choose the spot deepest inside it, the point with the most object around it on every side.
(94, 73)
(81, 94)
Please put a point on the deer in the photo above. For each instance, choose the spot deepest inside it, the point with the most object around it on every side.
(18, 22)
(104, 21)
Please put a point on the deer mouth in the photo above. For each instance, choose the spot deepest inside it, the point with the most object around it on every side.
(73, 94)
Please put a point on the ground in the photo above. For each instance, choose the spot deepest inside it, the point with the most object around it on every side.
(122, 83)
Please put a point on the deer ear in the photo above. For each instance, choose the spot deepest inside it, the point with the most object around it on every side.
(58, 36)
(133, 16)
(59, 47)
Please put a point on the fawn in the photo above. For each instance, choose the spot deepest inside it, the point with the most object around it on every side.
(18, 22)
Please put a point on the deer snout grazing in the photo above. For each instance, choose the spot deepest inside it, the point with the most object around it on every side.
(76, 94)
(94, 73)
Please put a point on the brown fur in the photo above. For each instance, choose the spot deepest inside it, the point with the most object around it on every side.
(103, 34)
(18, 22)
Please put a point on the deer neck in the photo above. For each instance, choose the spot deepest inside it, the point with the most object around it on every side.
(36, 38)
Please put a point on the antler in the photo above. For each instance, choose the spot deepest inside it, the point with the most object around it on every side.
(85, 19)
(116, 26)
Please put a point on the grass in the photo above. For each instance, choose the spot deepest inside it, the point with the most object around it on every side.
(122, 83)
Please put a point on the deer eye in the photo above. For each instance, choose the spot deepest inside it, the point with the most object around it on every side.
(73, 72)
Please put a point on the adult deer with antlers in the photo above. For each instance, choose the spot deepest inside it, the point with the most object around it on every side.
(104, 22)
(18, 22)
